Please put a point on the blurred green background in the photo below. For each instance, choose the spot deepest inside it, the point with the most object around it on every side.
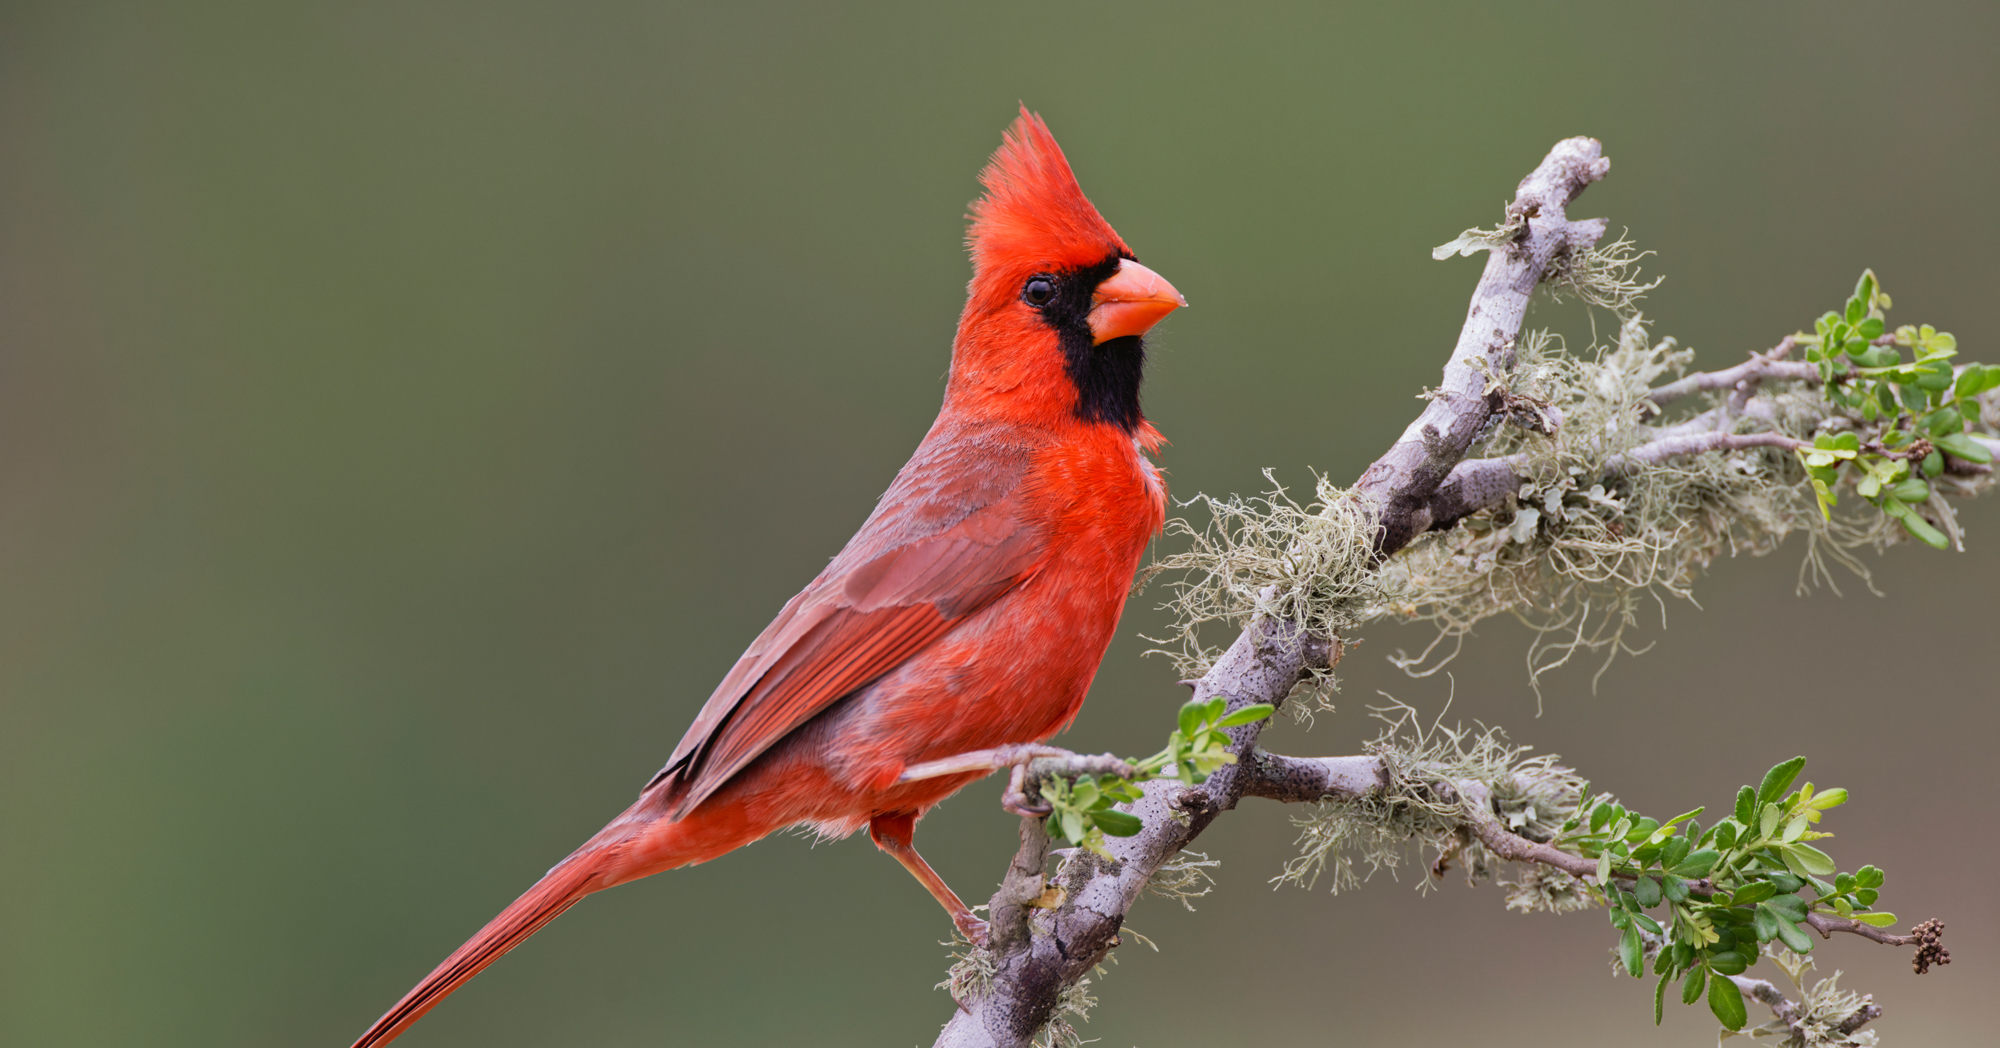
(409, 410)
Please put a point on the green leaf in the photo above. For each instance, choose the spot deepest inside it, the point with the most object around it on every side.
(1943, 421)
(1963, 446)
(1660, 999)
(1878, 920)
(1647, 891)
(1673, 888)
(1746, 805)
(1697, 865)
(1629, 951)
(1678, 819)
(1766, 922)
(1922, 529)
(1779, 778)
(1728, 962)
(1810, 859)
(1870, 328)
(1790, 907)
(1767, 820)
(1190, 717)
(1646, 922)
(1869, 877)
(1663, 961)
(1084, 794)
(1794, 939)
(1072, 826)
(1247, 715)
(1856, 309)
(1697, 980)
(1786, 884)
(1212, 709)
(1726, 1001)
(1970, 382)
(1117, 823)
(1755, 891)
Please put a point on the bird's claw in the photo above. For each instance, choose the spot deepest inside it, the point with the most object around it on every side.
(1019, 805)
(1015, 799)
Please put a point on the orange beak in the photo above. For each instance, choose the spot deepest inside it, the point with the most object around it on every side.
(1130, 302)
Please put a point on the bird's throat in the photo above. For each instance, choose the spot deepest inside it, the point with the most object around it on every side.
(1106, 377)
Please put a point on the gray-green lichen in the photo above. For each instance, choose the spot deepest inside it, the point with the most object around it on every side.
(1420, 805)
(1587, 542)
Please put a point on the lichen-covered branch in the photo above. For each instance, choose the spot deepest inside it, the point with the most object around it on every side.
(1536, 234)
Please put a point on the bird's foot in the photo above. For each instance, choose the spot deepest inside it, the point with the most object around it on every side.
(971, 927)
(1015, 799)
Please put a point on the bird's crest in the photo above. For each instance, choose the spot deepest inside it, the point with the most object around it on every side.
(1033, 211)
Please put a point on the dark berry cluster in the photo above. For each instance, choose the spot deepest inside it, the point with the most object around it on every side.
(1928, 950)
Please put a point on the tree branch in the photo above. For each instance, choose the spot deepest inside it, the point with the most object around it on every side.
(1029, 972)
(1787, 1013)
(1744, 376)
(1464, 407)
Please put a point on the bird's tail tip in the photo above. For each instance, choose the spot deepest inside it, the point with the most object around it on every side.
(558, 890)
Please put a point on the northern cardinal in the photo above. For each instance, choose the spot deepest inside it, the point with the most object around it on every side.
(971, 610)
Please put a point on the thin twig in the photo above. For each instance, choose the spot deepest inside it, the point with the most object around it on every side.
(1760, 366)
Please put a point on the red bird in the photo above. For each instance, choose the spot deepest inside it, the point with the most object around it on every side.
(971, 610)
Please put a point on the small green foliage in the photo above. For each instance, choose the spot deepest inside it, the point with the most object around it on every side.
(1083, 811)
(1912, 411)
(1727, 891)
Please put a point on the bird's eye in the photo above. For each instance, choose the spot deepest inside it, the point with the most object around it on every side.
(1039, 291)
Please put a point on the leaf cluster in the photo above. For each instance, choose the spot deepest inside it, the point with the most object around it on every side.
(1083, 811)
(1923, 405)
(1726, 890)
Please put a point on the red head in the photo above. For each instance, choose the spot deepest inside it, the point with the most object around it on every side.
(1058, 304)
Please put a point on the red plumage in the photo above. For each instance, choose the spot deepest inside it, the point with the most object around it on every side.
(972, 608)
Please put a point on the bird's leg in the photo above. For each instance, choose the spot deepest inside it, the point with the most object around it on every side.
(981, 761)
(892, 833)
(1015, 799)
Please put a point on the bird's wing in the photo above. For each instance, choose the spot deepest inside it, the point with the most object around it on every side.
(949, 538)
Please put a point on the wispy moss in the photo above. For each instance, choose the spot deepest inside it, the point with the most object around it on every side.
(1533, 795)
(1577, 553)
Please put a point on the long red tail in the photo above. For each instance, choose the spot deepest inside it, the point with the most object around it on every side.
(558, 890)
